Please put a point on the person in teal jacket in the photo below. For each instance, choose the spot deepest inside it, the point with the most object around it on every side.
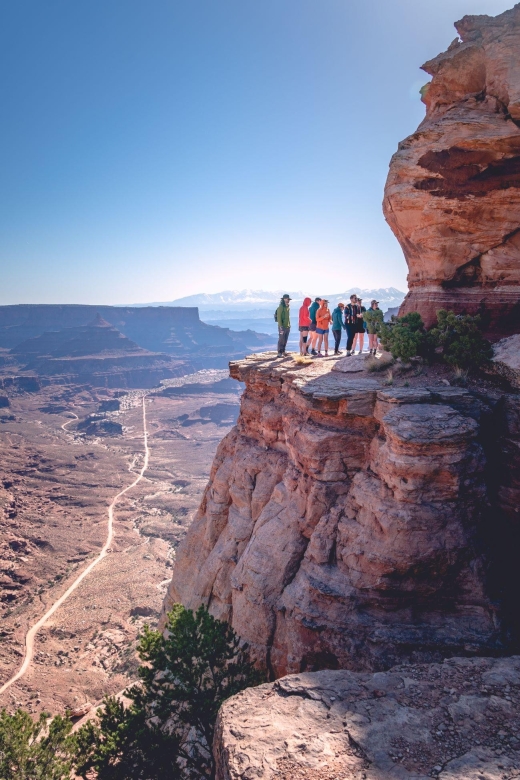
(313, 308)
(337, 326)
(283, 318)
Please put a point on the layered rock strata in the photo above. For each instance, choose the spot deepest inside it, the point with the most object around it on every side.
(452, 197)
(344, 522)
(457, 720)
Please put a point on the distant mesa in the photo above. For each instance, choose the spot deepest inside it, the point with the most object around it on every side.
(96, 338)
(452, 196)
(99, 322)
(118, 346)
(97, 353)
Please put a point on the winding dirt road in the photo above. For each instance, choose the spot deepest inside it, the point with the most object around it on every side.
(64, 426)
(31, 634)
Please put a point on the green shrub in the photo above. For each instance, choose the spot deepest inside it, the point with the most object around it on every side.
(374, 320)
(168, 729)
(404, 336)
(36, 750)
(460, 338)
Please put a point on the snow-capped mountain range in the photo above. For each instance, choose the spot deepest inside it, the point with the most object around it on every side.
(246, 300)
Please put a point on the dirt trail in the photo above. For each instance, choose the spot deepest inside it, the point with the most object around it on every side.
(31, 634)
(64, 426)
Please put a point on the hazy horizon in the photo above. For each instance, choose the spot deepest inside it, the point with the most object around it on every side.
(152, 153)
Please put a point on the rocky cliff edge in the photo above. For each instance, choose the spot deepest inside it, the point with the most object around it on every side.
(351, 524)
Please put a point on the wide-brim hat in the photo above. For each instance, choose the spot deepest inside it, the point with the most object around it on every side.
(287, 296)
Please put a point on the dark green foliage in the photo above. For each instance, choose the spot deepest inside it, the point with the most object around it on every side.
(168, 729)
(374, 320)
(460, 339)
(404, 336)
(36, 750)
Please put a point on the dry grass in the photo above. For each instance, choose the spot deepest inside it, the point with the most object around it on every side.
(389, 379)
(302, 360)
(379, 363)
(460, 376)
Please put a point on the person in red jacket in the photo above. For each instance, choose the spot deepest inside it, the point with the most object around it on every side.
(304, 323)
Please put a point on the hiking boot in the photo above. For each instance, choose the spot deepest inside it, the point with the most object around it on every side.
(313, 352)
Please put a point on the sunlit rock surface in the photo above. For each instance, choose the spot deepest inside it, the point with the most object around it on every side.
(458, 720)
(348, 524)
(452, 197)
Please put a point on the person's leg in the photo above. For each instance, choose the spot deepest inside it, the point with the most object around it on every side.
(305, 339)
(337, 340)
(312, 338)
(350, 338)
(281, 337)
(326, 340)
(285, 339)
(301, 342)
(319, 342)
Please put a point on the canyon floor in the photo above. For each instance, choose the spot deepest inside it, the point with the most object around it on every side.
(56, 484)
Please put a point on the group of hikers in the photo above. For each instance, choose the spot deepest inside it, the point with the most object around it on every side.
(316, 320)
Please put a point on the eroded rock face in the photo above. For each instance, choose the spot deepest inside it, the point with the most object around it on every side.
(340, 525)
(452, 197)
(457, 720)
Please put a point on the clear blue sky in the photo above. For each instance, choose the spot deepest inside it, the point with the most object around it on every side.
(151, 149)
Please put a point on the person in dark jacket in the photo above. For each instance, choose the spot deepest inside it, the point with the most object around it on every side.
(359, 336)
(351, 318)
(313, 338)
(337, 326)
(283, 319)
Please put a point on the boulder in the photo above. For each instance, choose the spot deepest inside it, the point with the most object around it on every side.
(458, 720)
(506, 359)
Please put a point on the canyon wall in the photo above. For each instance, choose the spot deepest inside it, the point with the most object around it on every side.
(174, 330)
(452, 197)
(352, 525)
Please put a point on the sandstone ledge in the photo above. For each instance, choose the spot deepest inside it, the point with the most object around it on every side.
(348, 524)
(459, 720)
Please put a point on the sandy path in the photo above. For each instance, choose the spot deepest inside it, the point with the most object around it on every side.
(31, 634)
(64, 426)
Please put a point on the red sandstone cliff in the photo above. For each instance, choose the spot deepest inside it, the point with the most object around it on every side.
(452, 197)
(341, 524)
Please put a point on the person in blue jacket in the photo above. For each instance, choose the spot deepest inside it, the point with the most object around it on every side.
(337, 326)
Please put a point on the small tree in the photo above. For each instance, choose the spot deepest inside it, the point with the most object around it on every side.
(404, 336)
(460, 338)
(168, 729)
(374, 320)
(36, 750)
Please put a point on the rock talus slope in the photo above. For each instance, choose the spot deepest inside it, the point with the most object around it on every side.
(456, 721)
(452, 197)
(344, 522)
